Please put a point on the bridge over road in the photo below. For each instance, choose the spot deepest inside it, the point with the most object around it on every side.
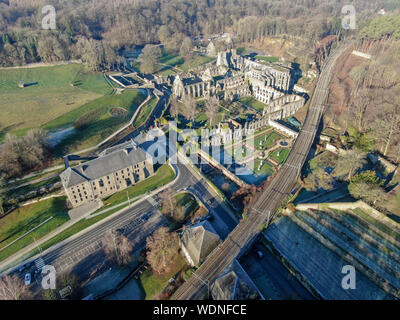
(276, 192)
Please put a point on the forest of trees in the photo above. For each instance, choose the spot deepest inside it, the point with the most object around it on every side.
(96, 31)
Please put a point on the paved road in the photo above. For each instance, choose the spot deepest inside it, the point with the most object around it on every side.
(275, 193)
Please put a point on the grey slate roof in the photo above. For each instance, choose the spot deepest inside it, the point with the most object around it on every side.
(234, 284)
(108, 163)
(199, 240)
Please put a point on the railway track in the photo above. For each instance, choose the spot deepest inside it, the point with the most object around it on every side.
(276, 192)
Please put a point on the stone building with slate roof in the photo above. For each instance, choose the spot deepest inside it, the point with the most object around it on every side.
(114, 170)
(234, 284)
(198, 241)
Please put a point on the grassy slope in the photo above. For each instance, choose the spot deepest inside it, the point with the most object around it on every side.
(25, 218)
(51, 97)
(104, 123)
(145, 112)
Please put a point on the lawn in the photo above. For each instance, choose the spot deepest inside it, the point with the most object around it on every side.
(266, 141)
(47, 96)
(101, 125)
(186, 200)
(267, 58)
(283, 154)
(250, 101)
(153, 284)
(266, 168)
(23, 219)
(145, 112)
(163, 175)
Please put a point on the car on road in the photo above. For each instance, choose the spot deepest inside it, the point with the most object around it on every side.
(27, 279)
(260, 255)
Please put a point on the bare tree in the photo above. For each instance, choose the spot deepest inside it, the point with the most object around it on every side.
(174, 107)
(386, 127)
(117, 247)
(317, 180)
(168, 201)
(212, 108)
(190, 108)
(163, 249)
(13, 288)
(149, 58)
(349, 163)
(186, 47)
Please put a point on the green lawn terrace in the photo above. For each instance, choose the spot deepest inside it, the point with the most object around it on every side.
(267, 140)
(256, 158)
(48, 93)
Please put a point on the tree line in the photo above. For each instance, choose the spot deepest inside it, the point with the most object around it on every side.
(97, 31)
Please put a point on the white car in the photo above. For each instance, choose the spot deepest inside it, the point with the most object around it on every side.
(27, 279)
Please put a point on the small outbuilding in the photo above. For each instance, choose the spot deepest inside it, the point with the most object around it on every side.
(235, 284)
(198, 241)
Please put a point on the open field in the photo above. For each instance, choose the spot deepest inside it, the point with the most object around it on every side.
(102, 123)
(23, 219)
(47, 95)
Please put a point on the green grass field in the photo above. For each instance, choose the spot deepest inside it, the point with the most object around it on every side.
(283, 154)
(267, 140)
(101, 126)
(23, 219)
(47, 96)
(145, 112)
(265, 169)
